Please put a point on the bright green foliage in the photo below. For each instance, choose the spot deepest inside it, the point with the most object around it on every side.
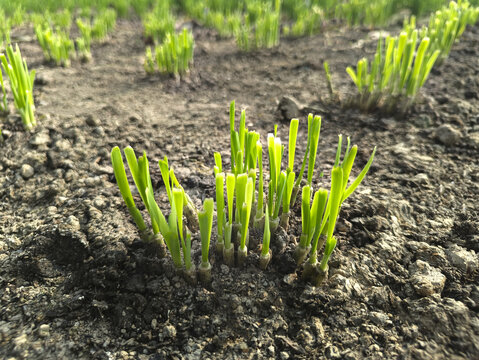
(103, 24)
(174, 232)
(21, 84)
(174, 56)
(56, 44)
(445, 26)
(122, 181)
(3, 104)
(220, 204)
(394, 73)
(367, 12)
(323, 215)
(205, 218)
(266, 235)
(159, 22)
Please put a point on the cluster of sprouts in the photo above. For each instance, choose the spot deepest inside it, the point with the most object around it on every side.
(247, 197)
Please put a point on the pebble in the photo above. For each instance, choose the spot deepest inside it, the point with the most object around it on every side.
(73, 221)
(40, 139)
(448, 135)
(289, 108)
(461, 258)
(27, 171)
(92, 120)
(44, 330)
(284, 355)
(332, 352)
(426, 280)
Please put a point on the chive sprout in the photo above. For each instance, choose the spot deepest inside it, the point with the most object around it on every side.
(220, 211)
(205, 219)
(21, 84)
(265, 256)
(228, 251)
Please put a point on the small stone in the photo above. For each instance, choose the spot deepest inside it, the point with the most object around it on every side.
(99, 131)
(169, 331)
(44, 330)
(271, 350)
(426, 280)
(289, 108)
(27, 171)
(332, 352)
(461, 258)
(284, 355)
(99, 202)
(448, 135)
(73, 221)
(473, 139)
(39, 139)
(92, 120)
(20, 340)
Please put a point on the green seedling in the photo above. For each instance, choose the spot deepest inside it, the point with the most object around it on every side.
(266, 254)
(395, 75)
(259, 216)
(314, 128)
(228, 251)
(175, 54)
(220, 211)
(323, 215)
(205, 219)
(4, 103)
(56, 44)
(21, 84)
(159, 22)
(245, 213)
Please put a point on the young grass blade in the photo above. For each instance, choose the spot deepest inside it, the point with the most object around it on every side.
(265, 256)
(360, 177)
(293, 133)
(305, 214)
(315, 130)
(205, 219)
(122, 181)
(259, 209)
(266, 235)
(288, 192)
(220, 204)
(230, 193)
(321, 216)
(218, 163)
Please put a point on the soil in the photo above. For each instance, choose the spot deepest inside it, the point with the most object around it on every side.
(76, 282)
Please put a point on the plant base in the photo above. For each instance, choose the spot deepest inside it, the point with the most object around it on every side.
(300, 253)
(190, 275)
(242, 254)
(314, 273)
(158, 244)
(284, 220)
(229, 255)
(273, 225)
(264, 260)
(258, 222)
(204, 272)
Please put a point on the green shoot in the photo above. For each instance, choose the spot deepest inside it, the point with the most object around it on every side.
(21, 84)
(120, 175)
(265, 256)
(220, 205)
(205, 219)
(293, 133)
(313, 149)
(175, 54)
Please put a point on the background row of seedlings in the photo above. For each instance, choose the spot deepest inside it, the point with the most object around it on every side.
(390, 81)
(246, 197)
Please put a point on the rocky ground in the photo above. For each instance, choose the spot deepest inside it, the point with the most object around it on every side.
(77, 283)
